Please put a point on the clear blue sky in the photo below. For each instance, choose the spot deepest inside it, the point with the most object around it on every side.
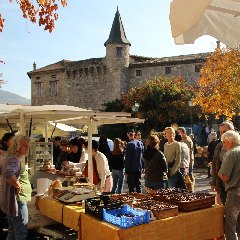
(80, 32)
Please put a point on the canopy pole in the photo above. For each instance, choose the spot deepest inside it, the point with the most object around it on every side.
(30, 128)
(22, 123)
(90, 165)
(46, 131)
(53, 130)
(9, 125)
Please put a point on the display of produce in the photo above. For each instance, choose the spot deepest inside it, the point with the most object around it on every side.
(191, 201)
(70, 169)
(130, 197)
(160, 210)
(161, 194)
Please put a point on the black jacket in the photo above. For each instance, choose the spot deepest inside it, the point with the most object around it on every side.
(155, 164)
(117, 161)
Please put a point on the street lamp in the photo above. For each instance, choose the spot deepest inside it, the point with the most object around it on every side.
(190, 104)
(135, 107)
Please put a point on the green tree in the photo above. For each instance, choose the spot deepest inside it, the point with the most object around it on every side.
(162, 101)
(114, 106)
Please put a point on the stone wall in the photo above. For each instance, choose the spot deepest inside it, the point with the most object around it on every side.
(187, 71)
(89, 84)
(44, 78)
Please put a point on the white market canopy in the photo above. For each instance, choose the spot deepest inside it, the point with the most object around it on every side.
(22, 116)
(191, 19)
(31, 115)
(54, 129)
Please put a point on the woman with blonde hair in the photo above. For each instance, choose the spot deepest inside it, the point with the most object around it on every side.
(117, 162)
(16, 188)
(155, 164)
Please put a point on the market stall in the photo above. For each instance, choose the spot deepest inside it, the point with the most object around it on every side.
(201, 224)
(25, 117)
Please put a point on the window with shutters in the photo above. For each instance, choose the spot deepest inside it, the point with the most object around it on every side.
(168, 70)
(38, 89)
(138, 72)
(53, 88)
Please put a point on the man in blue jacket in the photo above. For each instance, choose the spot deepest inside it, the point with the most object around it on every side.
(133, 163)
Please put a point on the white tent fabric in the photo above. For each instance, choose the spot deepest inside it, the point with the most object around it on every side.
(191, 19)
(20, 116)
(63, 127)
(23, 115)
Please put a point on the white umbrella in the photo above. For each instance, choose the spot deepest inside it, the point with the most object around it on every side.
(191, 19)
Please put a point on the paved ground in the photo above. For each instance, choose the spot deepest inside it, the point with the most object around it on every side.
(202, 185)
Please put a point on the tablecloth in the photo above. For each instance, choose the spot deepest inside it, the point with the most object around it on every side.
(51, 208)
(197, 225)
(71, 215)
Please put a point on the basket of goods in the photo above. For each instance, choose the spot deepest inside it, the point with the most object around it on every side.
(126, 216)
(55, 188)
(129, 198)
(95, 206)
(160, 210)
(46, 165)
(187, 202)
(161, 194)
(150, 191)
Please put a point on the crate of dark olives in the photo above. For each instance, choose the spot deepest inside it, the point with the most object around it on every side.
(191, 201)
(126, 216)
(95, 206)
(160, 210)
(161, 194)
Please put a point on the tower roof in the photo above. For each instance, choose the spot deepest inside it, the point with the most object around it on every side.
(117, 34)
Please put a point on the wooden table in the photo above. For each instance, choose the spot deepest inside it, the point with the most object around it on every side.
(197, 225)
(66, 214)
(204, 224)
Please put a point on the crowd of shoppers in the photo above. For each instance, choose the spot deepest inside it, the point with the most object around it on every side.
(164, 163)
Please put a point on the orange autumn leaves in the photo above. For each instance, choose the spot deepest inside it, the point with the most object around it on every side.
(219, 85)
(42, 11)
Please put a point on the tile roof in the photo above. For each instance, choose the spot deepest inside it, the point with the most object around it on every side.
(184, 59)
(55, 66)
(140, 61)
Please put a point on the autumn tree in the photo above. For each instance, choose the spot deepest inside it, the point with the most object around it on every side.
(218, 89)
(42, 11)
(162, 101)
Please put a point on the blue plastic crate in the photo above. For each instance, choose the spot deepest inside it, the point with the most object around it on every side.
(126, 216)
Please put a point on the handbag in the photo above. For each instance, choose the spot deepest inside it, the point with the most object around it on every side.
(180, 183)
(96, 178)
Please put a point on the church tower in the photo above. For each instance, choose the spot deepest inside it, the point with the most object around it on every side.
(117, 45)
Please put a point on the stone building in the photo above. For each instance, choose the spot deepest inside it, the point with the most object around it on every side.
(90, 83)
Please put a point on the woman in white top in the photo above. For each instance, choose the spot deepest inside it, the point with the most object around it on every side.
(172, 152)
(102, 168)
(84, 156)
